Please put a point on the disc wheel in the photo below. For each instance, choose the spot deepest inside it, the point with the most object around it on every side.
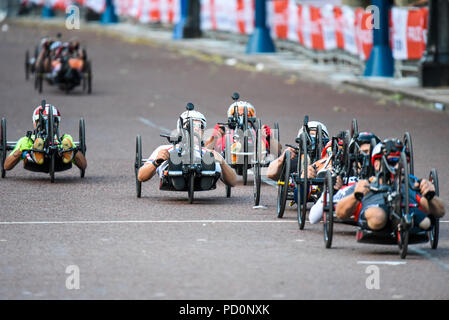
(283, 184)
(328, 210)
(137, 165)
(191, 187)
(245, 146)
(228, 159)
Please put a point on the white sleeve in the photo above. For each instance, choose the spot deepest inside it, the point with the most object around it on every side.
(316, 212)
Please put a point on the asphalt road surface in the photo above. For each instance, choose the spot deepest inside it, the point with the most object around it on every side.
(159, 246)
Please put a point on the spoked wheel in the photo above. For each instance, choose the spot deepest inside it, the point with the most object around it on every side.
(82, 139)
(137, 165)
(302, 196)
(51, 138)
(409, 152)
(87, 80)
(256, 165)
(191, 187)
(434, 233)
(354, 128)
(328, 210)
(245, 146)
(228, 159)
(27, 65)
(402, 205)
(3, 146)
(275, 137)
(319, 142)
(283, 184)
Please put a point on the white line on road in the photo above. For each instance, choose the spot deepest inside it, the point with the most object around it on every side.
(390, 263)
(141, 221)
(152, 124)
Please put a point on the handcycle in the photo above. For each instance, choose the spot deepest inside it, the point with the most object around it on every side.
(348, 162)
(49, 132)
(188, 168)
(293, 181)
(395, 188)
(250, 154)
(67, 78)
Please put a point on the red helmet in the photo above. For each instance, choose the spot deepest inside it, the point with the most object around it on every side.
(46, 112)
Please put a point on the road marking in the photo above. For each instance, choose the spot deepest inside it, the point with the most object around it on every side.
(141, 221)
(390, 263)
(428, 256)
(152, 124)
(201, 240)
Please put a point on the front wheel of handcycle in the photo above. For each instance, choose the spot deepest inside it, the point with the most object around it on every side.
(303, 187)
(191, 187)
(434, 233)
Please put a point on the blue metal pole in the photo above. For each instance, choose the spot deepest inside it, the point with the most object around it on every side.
(381, 62)
(178, 31)
(47, 11)
(260, 41)
(109, 15)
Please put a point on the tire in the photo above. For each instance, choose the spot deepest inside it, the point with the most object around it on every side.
(328, 216)
(319, 143)
(403, 233)
(27, 65)
(302, 203)
(40, 78)
(409, 151)
(275, 137)
(283, 184)
(435, 232)
(191, 187)
(50, 141)
(354, 128)
(137, 165)
(82, 140)
(257, 164)
(245, 161)
(3, 142)
(89, 77)
(245, 146)
(228, 191)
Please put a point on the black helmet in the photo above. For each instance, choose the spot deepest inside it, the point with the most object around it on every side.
(365, 137)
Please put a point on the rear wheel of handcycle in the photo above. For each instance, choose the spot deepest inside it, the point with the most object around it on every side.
(283, 184)
(3, 148)
(191, 186)
(228, 159)
(409, 152)
(434, 233)
(302, 196)
(354, 128)
(27, 65)
(256, 165)
(39, 78)
(245, 146)
(50, 140)
(328, 210)
(402, 205)
(137, 165)
(82, 140)
(276, 138)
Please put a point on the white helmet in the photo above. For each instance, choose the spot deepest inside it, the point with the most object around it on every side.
(314, 125)
(46, 112)
(240, 105)
(191, 114)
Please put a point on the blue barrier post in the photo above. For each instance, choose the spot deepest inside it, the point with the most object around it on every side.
(260, 41)
(381, 62)
(47, 11)
(109, 15)
(189, 23)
